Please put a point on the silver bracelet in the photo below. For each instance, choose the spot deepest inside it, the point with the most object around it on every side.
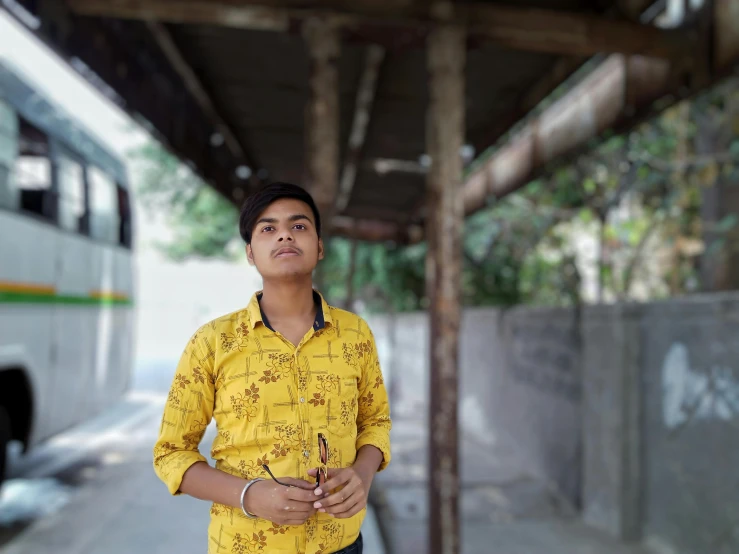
(243, 495)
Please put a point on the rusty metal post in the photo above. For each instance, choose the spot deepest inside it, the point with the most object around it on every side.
(444, 138)
(322, 115)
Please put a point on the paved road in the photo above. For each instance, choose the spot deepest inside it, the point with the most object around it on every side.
(93, 490)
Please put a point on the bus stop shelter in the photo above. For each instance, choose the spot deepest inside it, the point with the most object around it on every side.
(377, 106)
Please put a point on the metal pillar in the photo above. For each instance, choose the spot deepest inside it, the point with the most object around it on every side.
(444, 138)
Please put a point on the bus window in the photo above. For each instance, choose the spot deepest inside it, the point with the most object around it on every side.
(71, 194)
(8, 154)
(125, 234)
(32, 172)
(104, 223)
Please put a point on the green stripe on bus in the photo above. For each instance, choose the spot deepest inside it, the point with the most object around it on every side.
(33, 298)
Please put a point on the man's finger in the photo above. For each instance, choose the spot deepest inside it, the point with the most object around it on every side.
(352, 512)
(300, 483)
(300, 517)
(294, 506)
(336, 479)
(339, 496)
(340, 509)
(302, 495)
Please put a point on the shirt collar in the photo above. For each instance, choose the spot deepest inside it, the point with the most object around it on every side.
(323, 315)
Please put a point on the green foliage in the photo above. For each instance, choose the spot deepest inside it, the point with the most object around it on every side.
(386, 277)
(202, 222)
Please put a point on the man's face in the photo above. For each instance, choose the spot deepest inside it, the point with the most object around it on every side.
(284, 241)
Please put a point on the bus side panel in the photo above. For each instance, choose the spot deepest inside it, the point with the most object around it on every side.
(123, 350)
(75, 331)
(112, 357)
(27, 275)
(100, 318)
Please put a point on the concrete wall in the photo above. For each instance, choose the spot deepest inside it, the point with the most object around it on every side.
(690, 367)
(661, 423)
(631, 410)
(612, 420)
(520, 386)
(539, 400)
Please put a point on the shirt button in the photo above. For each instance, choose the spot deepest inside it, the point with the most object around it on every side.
(302, 399)
(306, 453)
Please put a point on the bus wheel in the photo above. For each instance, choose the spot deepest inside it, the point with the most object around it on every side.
(4, 440)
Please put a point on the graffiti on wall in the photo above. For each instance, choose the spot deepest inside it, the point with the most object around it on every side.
(690, 394)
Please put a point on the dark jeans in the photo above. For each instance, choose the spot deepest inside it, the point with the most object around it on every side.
(355, 548)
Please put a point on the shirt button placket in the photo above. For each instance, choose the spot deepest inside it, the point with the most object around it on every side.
(301, 415)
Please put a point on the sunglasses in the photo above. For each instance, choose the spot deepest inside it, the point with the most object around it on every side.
(323, 455)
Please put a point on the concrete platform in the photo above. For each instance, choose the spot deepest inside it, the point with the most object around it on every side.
(506, 508)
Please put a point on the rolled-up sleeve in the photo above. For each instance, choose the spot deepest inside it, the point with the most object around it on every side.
(373, 414)
(187, 413)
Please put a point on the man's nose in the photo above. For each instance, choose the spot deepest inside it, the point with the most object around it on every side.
(285, 236)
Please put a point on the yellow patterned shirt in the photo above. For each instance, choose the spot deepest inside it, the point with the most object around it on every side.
(270, 399)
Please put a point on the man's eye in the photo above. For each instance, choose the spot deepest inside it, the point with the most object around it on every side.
(267, 228)
(300, 225)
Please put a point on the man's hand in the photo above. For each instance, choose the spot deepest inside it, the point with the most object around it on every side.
(350, 497)
(279, 504)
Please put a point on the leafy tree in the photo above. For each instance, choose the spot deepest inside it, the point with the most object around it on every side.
(203, 223)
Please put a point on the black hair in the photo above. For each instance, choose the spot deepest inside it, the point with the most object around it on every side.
(257, 202)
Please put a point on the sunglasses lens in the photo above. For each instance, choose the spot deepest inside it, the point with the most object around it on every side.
(323, 447)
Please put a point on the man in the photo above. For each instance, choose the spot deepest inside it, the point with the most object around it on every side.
(298, 397)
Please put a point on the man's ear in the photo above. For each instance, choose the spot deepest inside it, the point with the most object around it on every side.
(320, 249)
(249, 254)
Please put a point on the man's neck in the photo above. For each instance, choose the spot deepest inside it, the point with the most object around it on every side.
(290, 301)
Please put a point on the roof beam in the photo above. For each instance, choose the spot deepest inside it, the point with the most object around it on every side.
(373, 230)
(726, 35)
(362, 116)
(530, 29)
(563, 68)
(571, 33)
(616, 92)
(196, 88)
(635, 10)
(560, 70)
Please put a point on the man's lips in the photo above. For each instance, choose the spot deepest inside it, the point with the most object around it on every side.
(285, 252)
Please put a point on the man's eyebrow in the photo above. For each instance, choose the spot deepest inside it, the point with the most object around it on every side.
(272, 220)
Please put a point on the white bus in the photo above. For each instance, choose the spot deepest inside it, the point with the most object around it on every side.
(66, 294)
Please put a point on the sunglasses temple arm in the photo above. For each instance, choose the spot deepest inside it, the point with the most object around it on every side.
(266, 468)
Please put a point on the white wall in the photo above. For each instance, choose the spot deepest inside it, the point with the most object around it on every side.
(174, 299)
